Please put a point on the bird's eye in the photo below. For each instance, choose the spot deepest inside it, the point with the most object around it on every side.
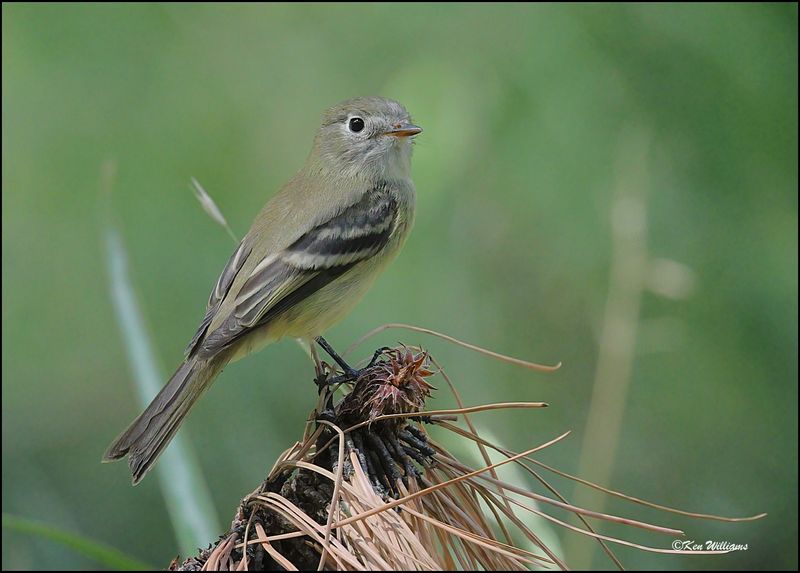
(356, 124)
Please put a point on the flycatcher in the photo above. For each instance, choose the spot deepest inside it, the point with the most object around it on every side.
(310, 255)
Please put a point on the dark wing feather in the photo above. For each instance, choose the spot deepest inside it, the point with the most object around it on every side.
(221, 288)
(317, 258)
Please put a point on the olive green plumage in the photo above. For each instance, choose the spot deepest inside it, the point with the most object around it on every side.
(309, 256)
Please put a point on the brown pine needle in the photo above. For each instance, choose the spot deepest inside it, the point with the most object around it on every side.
(365, 507)
(337, 486)
(453, 411)
(566, 506)
(482, 444)
(282, 561)
(457, 411)
(403, 502)
(639, 501)
(645, 502)
(427, 490)
(479, 349)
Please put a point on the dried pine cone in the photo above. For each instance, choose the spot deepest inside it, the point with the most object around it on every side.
(394, 385)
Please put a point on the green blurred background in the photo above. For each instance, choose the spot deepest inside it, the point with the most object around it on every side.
(540, 122)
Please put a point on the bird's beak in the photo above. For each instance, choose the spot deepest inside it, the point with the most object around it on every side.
(403, 130)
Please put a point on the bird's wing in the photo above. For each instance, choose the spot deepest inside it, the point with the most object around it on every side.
(220, 290)
(281, 280)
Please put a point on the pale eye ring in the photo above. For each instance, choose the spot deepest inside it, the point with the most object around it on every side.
(355, 124)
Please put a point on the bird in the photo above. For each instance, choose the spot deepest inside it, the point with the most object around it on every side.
(310, 255)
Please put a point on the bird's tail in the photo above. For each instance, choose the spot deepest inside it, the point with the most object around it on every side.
(149, 434)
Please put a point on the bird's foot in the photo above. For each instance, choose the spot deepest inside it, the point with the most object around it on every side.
(349, 374)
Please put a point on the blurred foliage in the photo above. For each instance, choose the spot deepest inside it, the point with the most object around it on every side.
(108, 556)
(525, 108)
(186, 494)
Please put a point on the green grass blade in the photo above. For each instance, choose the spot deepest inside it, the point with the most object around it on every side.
(106, 555)
(186, 493)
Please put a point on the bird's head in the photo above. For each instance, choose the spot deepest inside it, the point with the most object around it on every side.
(370, 136)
